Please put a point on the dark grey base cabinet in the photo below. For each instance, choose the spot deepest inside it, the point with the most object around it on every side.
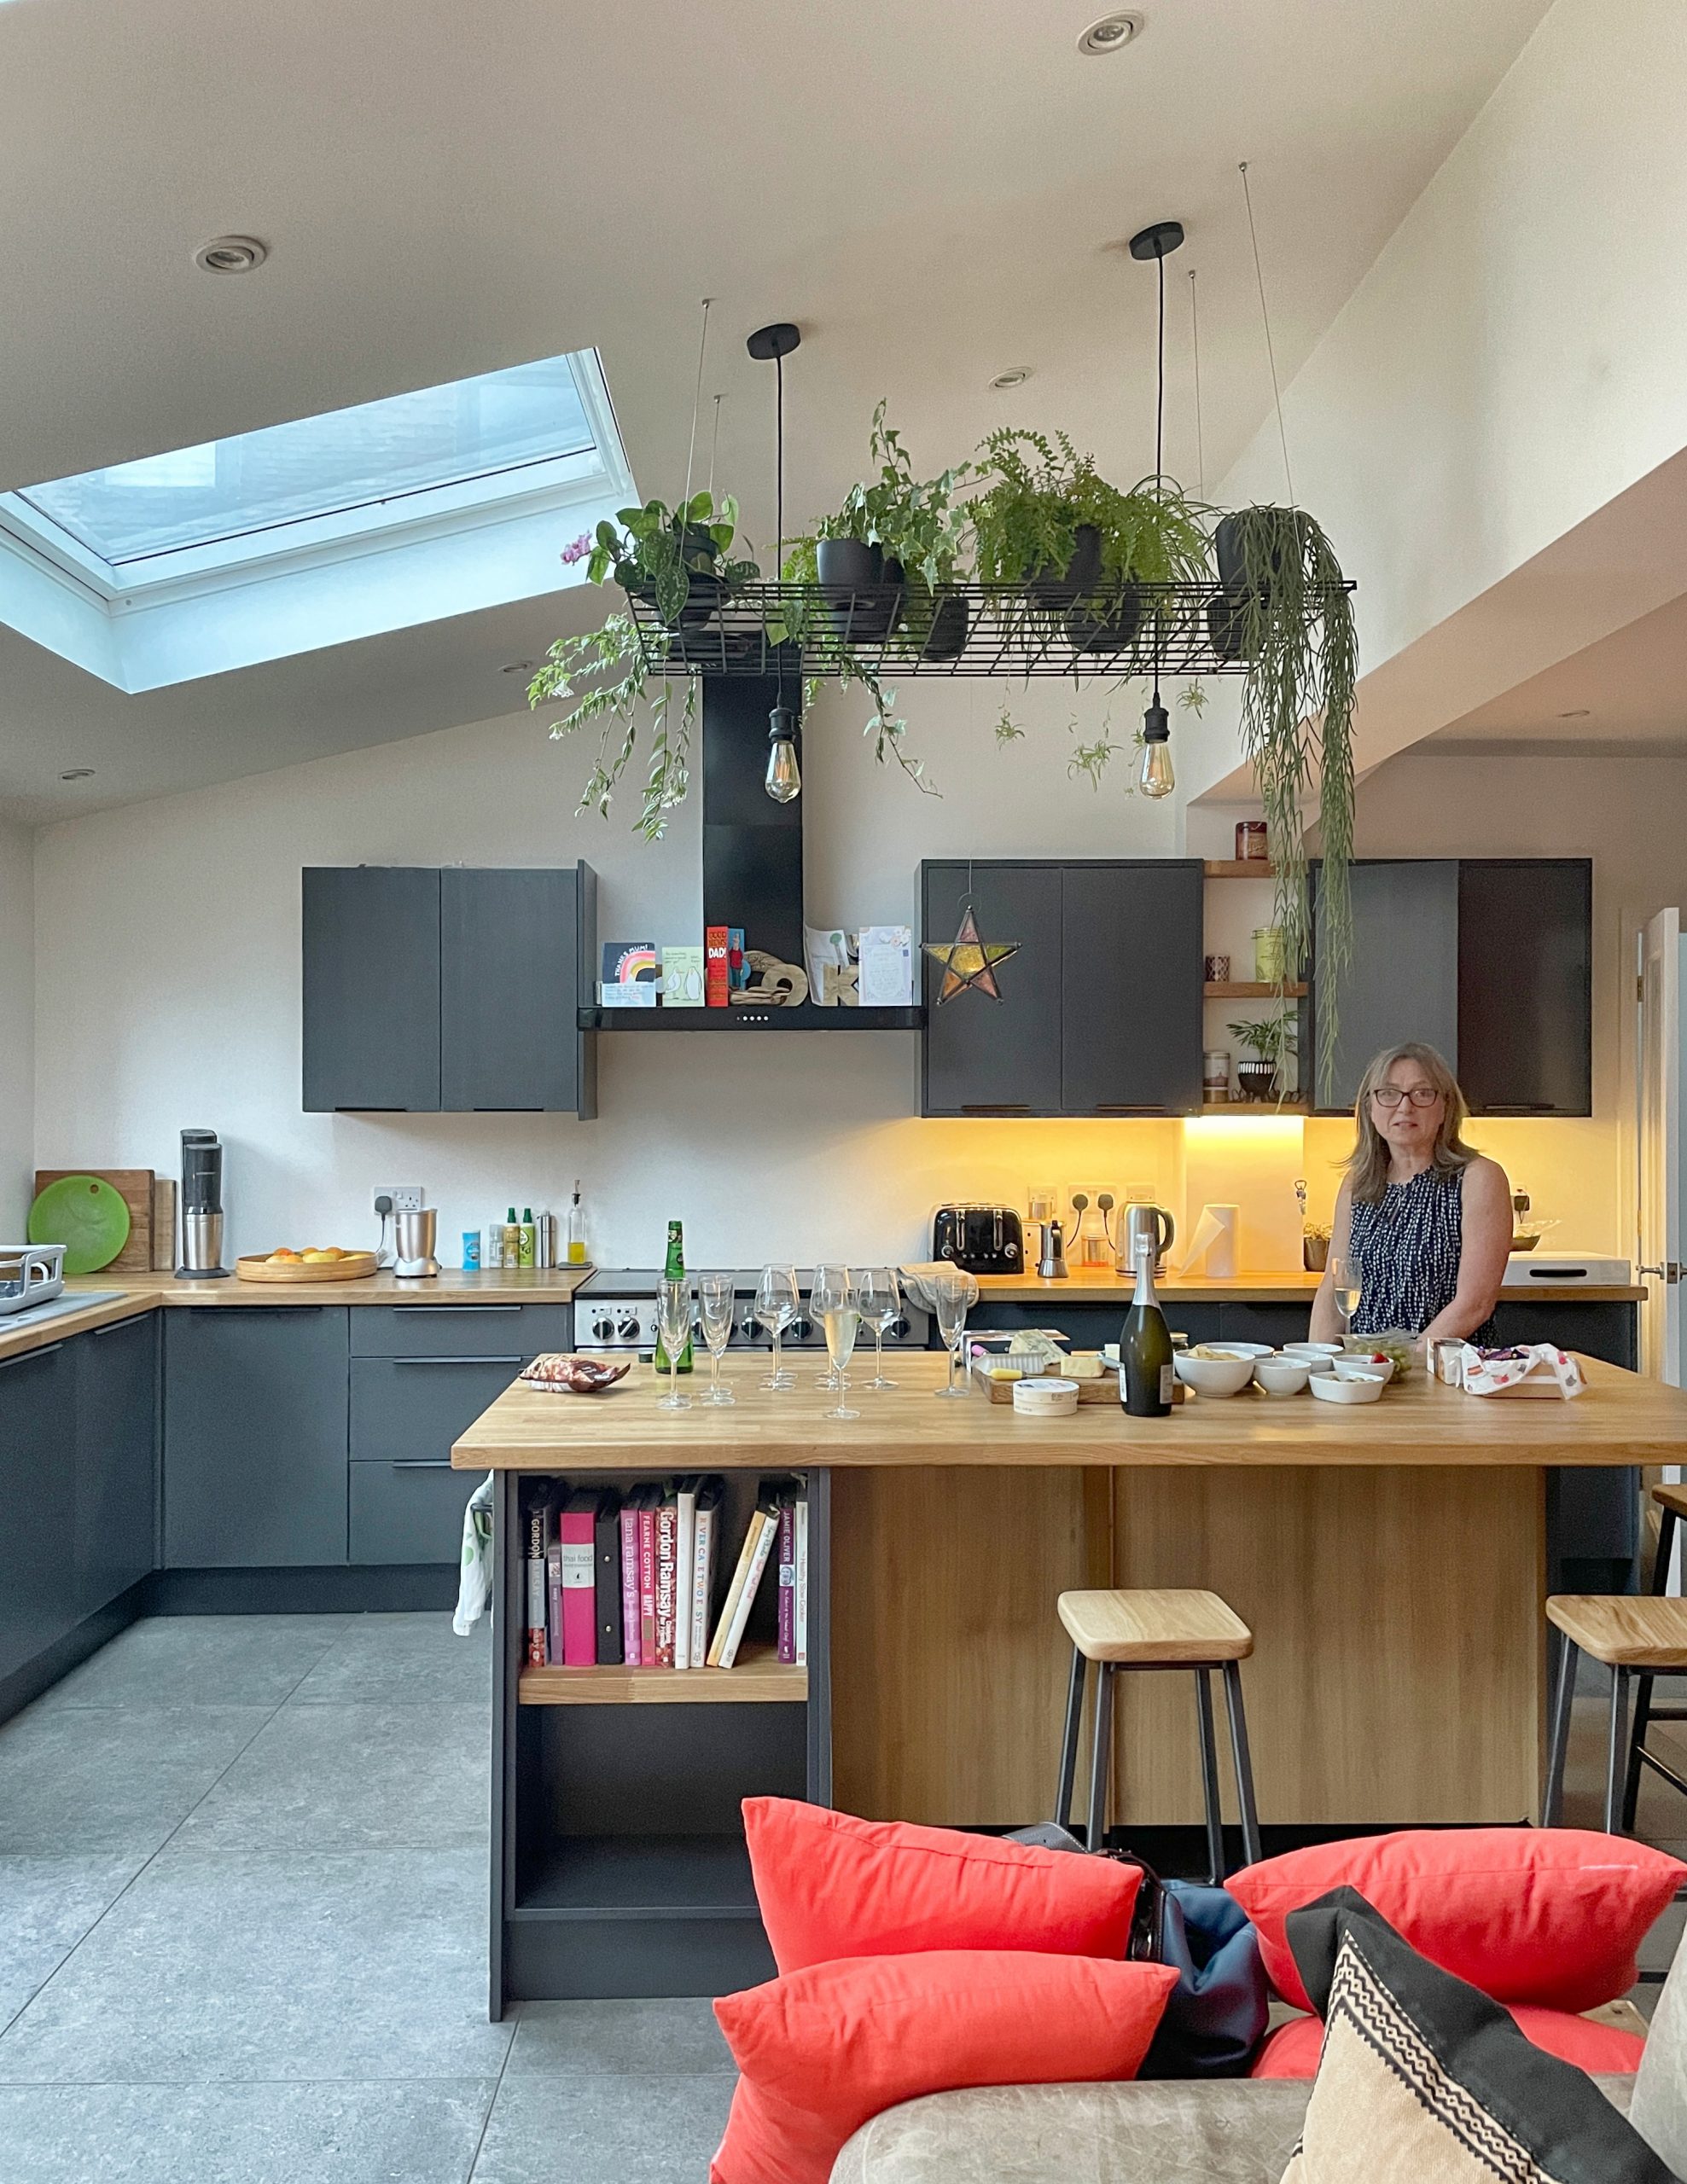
(37, 1457)
(117, 1470)
(255, 1436)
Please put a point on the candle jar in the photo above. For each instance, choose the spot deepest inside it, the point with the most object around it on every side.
(1270, 955)
(1216, 970)
(1251, 847)
(1215, 1075)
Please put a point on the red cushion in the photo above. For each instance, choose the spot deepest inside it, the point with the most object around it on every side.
(831, 1885)
(1292, 2050)
(821, 2051)
(1550, 1915)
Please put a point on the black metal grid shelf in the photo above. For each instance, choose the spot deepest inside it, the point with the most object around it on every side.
(1178, 630)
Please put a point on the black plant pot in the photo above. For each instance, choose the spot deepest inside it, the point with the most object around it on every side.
(1054, 587)
(1230, 546)
(1227, 625)
(1257, 1080)
(703, 595)
(1106, 624)
(865, 592)
(947, 636)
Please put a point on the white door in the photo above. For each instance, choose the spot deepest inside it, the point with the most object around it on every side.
(1660, 1078)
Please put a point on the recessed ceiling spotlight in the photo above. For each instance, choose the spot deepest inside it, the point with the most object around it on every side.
(1576, 713)
(1015, 375)
(231, 254)
(1111, 33)
(77, 774)
(518, 667)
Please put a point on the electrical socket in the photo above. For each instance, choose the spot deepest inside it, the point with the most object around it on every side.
(406, 1196)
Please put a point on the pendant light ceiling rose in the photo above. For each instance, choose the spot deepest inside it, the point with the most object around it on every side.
(1158, 239)
(769, 343)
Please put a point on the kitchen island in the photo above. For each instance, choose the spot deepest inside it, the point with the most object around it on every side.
(1389, 1559)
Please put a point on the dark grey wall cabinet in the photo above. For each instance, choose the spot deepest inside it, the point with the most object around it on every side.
(116, 1459)
(1402, 981)
(255, 1405)
(1101, 1006)
(1131, 992)
(458, 990)
(371, 988)
(1526, 985)
(38, 1431)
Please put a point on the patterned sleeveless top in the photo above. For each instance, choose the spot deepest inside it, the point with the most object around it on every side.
(1407, 1246)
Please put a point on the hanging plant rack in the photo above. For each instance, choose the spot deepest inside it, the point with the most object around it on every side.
(825, 630)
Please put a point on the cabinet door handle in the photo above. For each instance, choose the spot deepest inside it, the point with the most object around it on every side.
(487, 1309)
(457, 1361)
(112, 1326)
(1127, 1107)
(996, 1107)
(1518, 1107)
(29, 1357)
(421, 1463)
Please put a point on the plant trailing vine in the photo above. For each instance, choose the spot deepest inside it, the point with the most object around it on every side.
(613, 657)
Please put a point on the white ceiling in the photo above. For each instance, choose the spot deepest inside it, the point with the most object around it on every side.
(932, 192)
(1631, 687)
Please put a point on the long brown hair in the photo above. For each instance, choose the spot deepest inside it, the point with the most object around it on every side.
(1368, 1163)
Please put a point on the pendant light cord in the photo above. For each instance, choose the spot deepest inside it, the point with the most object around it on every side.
(1200, 443)
(779, 493)
(1266, 320)
(697, 403)
(1158, 436)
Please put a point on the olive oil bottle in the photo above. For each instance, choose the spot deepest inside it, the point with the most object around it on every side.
(1146, 1375)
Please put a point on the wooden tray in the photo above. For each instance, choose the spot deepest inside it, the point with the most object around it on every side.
(355, 1266)
(1106, 1390)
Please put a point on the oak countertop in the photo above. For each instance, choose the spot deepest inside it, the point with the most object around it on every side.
(1292, 1285)
(1619, 1419)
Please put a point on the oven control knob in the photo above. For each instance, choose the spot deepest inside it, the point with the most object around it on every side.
(626, 1326)
(900, 1330)
(801, 1328)
(602, 1326)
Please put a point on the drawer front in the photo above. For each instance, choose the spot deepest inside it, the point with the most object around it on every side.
(409, 1410)
(460, 1330)
(409, 1512)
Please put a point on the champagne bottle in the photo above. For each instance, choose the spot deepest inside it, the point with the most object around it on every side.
(674, 1270)
(1146, 1375)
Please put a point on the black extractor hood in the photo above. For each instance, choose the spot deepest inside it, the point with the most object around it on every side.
(752, 868)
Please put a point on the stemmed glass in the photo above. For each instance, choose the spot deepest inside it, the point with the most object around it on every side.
(714, 1303)
(826, 1277)
(836, 1306)
(776, 1307)
(881, 1307)
(1346, 1286)
(955, 1292)
(674, 1324)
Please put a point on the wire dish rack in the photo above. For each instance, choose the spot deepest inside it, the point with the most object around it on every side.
(1176, 631)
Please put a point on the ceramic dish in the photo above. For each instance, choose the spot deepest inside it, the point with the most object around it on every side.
(1313, 1349)
(1237, 1349)
(1213, 1376)
(1364, 1368)
(1282, 1376)
(1332, 1387)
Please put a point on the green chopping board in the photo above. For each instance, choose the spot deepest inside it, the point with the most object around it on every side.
(85, 1215)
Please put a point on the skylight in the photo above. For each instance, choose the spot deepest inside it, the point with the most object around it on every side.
(373, 454)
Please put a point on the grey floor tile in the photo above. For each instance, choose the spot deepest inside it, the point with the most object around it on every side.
(117, 1778)
(542, 2130)
(218, 1965)
(242, 2134)
(664, 2039)
(200, 1660)
(46, 1906)
(403, 1660)
(348, 1778)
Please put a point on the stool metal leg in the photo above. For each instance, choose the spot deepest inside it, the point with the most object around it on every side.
(1552, 1805)
(1068, 1749)
(1100, 1738)
(1666, 1523)
(1244, 1768)
(1616, 1758)
(1636, 1741)
(1209, 1779)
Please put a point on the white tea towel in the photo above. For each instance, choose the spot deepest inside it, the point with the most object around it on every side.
(474, 1584)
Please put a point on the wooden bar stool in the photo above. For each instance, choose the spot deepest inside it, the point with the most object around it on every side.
(1190, 1630)
(1672, 1502)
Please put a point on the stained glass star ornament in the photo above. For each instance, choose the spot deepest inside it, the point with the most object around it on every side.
(970, 960)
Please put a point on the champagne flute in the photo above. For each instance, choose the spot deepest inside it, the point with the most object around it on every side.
(776, 1307)
(674, 1324)
(955, 1292)
(837, 1307)
(1347, 1286)
(881, 1308)
(714, 1303)
(825, 1278)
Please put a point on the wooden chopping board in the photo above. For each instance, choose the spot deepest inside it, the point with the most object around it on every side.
(134, 1186)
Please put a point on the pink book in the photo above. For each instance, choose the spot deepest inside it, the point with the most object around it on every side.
(630, 1584)
(788, 1581)
(577, 1555)
(668, 1572)
(647, 1580)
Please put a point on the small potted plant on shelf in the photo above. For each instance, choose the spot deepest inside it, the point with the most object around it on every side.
(1270, 1040)
(1315, 1245)
(678, 559)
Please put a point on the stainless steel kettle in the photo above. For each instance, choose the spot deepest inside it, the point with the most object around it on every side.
(1156, 1224)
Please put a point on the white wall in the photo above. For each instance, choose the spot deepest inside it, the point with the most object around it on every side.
(17, 1029)
(169, 994)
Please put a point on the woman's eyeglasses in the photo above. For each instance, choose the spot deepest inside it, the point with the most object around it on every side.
(1390, 1095)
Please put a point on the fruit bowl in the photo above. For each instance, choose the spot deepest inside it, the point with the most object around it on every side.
(306, 1266)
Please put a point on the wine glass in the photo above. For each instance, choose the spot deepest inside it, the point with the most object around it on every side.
(714, 1304)
(881, 1308)
(955, 1292)
(835, 1305)
(673, 1325)
(1346, 1286)
(776, 1307)
(826, 1277)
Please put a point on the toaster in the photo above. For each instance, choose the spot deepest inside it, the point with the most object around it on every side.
(981, 1238)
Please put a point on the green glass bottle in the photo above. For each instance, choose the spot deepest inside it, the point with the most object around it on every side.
(674, 1270)
(1147, 1376)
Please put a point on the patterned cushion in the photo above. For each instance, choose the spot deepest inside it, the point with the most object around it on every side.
(1425, 2081)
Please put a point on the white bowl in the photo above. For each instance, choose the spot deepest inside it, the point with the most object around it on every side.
(1364, 1368)
(1238, 1349)
(1213, 1376)
(1337, 1387)
(1311, 1349)
(1282, 1376)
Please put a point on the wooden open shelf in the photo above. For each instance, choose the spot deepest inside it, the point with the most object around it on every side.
(1236, 868)
(1251, 989)
(1256, 1107)
(757, 1678)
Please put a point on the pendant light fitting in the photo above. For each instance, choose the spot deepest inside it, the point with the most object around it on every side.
(1155, 243)
(783, 779)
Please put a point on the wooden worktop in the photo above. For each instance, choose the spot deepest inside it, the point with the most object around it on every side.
(1621, 1419)
(147, 1293)
(1291, 1285)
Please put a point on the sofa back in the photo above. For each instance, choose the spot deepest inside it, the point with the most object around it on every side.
(1658, 2109)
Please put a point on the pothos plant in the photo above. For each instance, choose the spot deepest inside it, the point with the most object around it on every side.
(659, 552)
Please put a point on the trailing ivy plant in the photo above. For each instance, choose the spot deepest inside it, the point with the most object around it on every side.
(613, 660)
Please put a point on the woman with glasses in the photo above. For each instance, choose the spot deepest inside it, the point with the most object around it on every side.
(1422, 1220)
